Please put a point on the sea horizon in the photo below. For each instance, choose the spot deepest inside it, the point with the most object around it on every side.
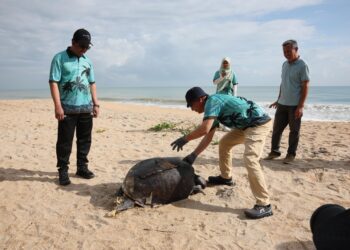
(324, 103)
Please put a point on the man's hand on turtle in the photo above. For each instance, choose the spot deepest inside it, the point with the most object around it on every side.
(179, 143)
(190, 158)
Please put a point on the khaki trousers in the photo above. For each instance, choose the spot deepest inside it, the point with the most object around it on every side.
(254, 141)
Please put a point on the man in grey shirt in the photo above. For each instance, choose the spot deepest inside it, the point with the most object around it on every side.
(290, 103)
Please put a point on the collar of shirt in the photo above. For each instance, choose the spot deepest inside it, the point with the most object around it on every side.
(295, 61)
(71, 54)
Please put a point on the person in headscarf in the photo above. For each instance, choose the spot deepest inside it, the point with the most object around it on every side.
(225, 79)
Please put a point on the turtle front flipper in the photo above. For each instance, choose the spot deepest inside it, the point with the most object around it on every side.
(197, 189)
(199, 184)
(123, 204)
(199, 180)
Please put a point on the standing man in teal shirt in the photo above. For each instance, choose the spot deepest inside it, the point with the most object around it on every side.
(290, 103)
(73, 90)
(250, 126)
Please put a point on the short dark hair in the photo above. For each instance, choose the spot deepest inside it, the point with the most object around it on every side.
(292, 42)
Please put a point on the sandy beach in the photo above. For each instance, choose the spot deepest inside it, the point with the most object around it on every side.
(37, 213)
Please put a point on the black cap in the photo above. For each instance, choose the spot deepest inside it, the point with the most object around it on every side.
(194, 94)
(83, 37)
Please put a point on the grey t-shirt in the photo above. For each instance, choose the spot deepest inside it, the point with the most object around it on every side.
(293, 75)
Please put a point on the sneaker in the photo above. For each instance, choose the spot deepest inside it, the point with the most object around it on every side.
(85, 172)
(218, 180)
(258, 212)
(289, 159)
(272, 155)
(63, 177)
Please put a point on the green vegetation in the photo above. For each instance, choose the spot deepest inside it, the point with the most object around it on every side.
(100, 130)
(187, 130)
(170, 126)
(163, 126)
(215, 142)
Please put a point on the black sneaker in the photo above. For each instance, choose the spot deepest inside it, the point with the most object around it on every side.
(258, 212)
(85, 172)
(218, 180)
(272, 155)
(289, 159)
(63, 177)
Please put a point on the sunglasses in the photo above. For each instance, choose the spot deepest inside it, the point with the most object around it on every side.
(84, 46)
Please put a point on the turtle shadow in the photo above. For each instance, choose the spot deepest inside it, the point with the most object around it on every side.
(101, 195)
(197, 205)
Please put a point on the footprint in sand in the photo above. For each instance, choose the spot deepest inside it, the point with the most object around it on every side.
(340, 145)
(333, 187)
(319, 177)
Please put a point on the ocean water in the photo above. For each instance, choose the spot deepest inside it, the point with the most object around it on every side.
(324, 103)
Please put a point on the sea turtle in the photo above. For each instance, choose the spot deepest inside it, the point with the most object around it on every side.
(158, 181)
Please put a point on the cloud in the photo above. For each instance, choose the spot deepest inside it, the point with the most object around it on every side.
(158, 42)
(328, 65)
(116, 52)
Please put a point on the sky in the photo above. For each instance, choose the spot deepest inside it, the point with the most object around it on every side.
(175, 43)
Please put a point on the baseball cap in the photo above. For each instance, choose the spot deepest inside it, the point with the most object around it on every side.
(83, 37)
(193, 94)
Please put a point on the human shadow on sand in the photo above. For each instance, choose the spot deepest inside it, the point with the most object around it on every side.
(304, 245)
(102, 195)
(197, 205)
(306, 164)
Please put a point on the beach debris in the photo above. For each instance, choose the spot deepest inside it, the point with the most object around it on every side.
(157, 181)
(319, 176)
(323, 150)
(225, 193)
(100, 130)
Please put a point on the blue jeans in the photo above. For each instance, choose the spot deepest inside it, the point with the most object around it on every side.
(82, 123)
(285, 116)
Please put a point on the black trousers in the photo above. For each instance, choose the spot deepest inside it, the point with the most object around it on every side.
(82, 123)
(285, 116)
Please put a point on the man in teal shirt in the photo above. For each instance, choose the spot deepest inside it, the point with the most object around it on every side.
(290, 103)
(250, 126)
(73, 90)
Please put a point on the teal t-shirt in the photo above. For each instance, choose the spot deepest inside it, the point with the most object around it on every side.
(74, 76)
(293, 75)
(228, 90)
(234, 112)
